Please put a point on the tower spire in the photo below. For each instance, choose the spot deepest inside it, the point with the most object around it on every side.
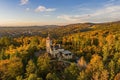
(48, 44)
(48, 34)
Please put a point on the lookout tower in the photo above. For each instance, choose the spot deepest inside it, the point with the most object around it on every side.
(56, 51)
(48, 44)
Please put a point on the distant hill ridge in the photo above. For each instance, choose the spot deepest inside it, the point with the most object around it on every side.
(56, 30)
(47, 26)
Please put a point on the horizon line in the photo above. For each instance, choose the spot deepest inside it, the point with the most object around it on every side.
(59, 24)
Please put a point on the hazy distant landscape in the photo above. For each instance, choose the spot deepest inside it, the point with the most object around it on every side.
(43, 30)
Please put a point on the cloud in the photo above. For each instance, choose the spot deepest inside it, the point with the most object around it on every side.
(23, 2)
(74, 17)
(107, 13)
(44, 9)
(69, 17)
(27, 9)
(46, 15)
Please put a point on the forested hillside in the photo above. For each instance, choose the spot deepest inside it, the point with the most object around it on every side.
(96, 46)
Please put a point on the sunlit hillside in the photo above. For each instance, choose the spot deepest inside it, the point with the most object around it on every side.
(95, 48)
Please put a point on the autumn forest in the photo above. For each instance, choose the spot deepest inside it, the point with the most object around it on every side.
(95, 48)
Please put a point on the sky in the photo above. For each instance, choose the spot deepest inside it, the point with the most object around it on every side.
(57, 12)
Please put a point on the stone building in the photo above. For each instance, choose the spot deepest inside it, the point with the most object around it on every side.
(56, 51)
